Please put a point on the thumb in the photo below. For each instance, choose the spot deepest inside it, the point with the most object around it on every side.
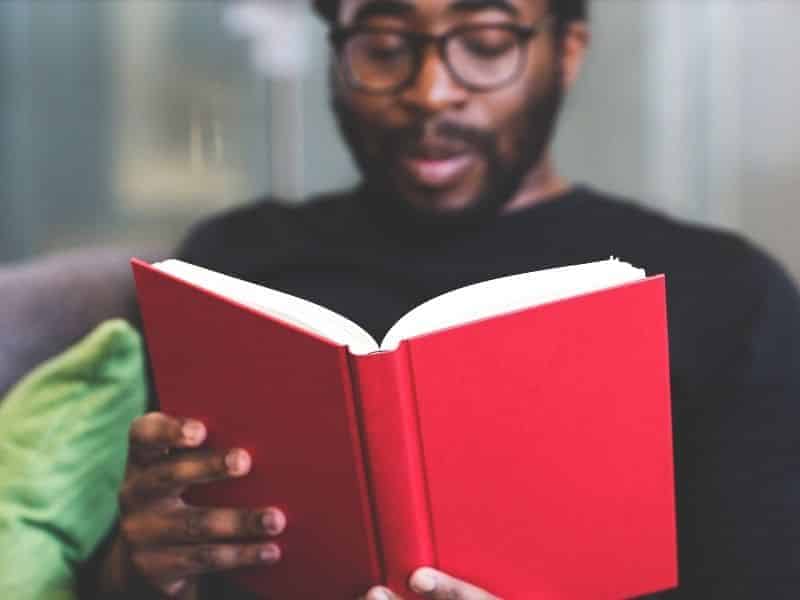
(435, 585)
(380, 593)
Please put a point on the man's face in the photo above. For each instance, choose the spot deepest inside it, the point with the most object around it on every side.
(437, 146)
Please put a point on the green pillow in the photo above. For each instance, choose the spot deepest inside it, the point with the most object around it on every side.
(63, 446)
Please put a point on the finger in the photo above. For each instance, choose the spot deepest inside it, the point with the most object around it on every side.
(165, 567)
(380, 593)
(436, 585)
(202, 525)
(171, 477)
(174, 588)
(154, 433)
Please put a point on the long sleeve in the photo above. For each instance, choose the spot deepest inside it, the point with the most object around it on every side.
(738, 458)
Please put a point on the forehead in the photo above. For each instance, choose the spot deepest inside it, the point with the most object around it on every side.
(434, 9)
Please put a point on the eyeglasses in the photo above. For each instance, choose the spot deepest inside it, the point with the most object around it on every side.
(481, 58)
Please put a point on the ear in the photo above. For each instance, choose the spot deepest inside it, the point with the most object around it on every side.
(575, 45)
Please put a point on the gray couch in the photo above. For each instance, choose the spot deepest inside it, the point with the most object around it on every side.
(49, 303)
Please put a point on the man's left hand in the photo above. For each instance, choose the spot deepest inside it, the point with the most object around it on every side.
(434, 585)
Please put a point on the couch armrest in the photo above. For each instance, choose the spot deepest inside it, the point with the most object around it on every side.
(51, 302)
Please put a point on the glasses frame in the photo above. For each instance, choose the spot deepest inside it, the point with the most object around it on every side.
(419, 43)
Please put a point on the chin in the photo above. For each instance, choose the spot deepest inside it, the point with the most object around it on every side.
(467, 202)
(439, 203)
(462, 197)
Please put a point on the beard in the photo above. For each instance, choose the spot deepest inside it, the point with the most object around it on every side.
(375, 150)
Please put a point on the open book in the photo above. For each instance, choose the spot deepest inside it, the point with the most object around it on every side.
(515, 432)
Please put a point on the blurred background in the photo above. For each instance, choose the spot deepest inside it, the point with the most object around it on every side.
(123, 122)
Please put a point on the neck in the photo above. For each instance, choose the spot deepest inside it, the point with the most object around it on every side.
(542, 183)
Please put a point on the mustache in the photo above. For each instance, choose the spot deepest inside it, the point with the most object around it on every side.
(445, 132)
(396, 139)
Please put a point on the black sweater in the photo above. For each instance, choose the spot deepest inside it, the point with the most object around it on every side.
(734, 341)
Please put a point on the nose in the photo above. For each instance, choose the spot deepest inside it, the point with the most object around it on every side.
(434, 90)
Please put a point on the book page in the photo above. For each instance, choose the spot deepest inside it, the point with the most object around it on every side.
(508, 294)
(284, 307)
(458, 307)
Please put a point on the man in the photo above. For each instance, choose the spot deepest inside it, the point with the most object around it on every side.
(448, 107)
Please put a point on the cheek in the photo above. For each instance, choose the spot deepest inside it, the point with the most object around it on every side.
(361, 106)
(506, 110)
(373, 111)
(365, 108)
(511, 106)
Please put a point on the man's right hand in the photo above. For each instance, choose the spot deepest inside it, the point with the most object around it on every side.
(168, 543)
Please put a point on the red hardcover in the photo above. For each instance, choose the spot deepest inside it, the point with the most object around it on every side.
(528, 453)
(547, 445)
(285, 396)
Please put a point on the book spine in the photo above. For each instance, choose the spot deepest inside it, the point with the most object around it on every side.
(395, 468)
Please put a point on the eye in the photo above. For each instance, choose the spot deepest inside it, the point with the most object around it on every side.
(384, 47)
(488, 43)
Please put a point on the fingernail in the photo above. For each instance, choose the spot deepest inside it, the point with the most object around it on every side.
(238, 462)
(175, 588)
(274, 521)
(423, 581)
(378, 594)
(193, 432)
(270, 553)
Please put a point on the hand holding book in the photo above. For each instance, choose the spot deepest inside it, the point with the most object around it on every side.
(163, 541)
(168, 543)
(433, 585)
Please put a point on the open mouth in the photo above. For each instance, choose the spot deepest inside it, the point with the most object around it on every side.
(437, 173)
(437, 166)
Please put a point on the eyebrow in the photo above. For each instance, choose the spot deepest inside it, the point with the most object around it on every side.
(472, 6)
(383, 8)
(400, 8)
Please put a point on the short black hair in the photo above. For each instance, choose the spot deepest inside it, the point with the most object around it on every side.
(564, 10)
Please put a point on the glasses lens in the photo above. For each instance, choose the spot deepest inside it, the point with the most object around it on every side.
(485, 57)
(378, 61)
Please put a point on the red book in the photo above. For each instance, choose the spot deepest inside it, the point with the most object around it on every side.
(516, 434)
